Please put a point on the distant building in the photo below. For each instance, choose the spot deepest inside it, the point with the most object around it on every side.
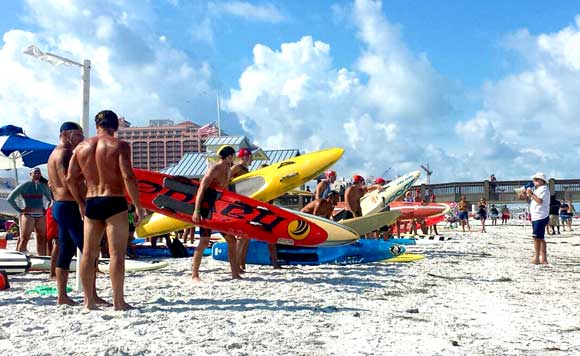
(163, 143)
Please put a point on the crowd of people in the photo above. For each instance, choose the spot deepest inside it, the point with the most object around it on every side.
(83, 206)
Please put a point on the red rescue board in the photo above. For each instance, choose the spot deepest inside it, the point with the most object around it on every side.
(228, 212)
(416, 210)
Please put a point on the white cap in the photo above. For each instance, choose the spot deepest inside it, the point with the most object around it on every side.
(540, 175)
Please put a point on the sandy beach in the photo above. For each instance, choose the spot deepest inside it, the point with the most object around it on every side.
(475, 295)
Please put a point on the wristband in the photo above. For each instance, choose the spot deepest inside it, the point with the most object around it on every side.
(197, 211)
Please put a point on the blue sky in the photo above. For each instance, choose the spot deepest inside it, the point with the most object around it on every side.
(464, 76)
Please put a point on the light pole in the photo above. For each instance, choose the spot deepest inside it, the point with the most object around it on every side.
(34, 51)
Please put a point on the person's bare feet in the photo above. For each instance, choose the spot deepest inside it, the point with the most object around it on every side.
(66, 301)
(195, 279)
(535, 261)
(237, 277)
(242, 271)
(91, 307)
(277, 267)
(123, 307)
(101, 301)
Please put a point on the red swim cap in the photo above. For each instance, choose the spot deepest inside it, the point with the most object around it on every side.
(244, 152)
(357, 179)
(330, 173)
(380, 181)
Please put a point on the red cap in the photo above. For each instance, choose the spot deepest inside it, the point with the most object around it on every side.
(330, 173)
(380, 181)
(244, 152)
(357, 179)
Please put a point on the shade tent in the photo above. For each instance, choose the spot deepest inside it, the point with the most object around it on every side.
(21, 150)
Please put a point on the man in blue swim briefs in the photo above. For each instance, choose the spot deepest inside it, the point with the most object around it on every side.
(103, 163)
(540, 211)
(65, 209)
(33, 214)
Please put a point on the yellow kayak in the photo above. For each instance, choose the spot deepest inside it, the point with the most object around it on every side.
(263, 184)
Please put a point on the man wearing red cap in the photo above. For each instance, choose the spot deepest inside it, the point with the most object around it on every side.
(352, 197)
(325, 185)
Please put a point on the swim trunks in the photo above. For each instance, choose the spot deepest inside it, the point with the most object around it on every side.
(463, 215)
(70, 231)
(206, 209)
(102, 208)
(539, 228)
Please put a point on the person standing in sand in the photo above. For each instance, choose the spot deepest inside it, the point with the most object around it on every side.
(540, 211)
(239, 169)
(463, 208)
(65, 210)
(554, 218)
(482, 212)
(103, 164)
(217, 176)
(33, 215)
(325, 186)
(505, 215)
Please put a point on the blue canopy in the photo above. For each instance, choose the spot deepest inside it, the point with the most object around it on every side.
(32, 152)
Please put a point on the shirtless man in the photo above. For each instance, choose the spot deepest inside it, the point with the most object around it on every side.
(322, 207)
(103, 163)
(239, 169)
(217, 176)
(324, 187)
(352, 197)
(65, 209)
(33, 215)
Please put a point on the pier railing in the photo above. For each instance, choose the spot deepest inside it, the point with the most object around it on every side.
(503, 192)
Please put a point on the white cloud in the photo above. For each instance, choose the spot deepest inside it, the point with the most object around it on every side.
(135, 72)
(533, 113)
(295, 97)
(248, 11)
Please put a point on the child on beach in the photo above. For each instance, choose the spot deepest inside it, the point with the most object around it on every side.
(539, 210)
(505, 215)
(482, 212)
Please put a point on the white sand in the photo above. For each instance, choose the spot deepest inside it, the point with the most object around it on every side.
(492, 303)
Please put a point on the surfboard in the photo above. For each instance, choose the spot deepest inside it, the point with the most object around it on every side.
(362, 251)
(275, 180)
(229, 212)
(13, 262)
(263, 184)
(377, 200)
(372, 222)
(415, 210)
(406, 257)
(42, 263)
(164, 252)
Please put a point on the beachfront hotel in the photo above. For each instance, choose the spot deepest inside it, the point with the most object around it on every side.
(162, 143)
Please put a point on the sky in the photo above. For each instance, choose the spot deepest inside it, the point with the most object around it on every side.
(471, 88)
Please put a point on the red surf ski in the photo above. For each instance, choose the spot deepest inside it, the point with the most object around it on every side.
(416, 210)
(228, 212)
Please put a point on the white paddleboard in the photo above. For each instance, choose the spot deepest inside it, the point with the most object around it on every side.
(13, 262)
(377, 200)
(42, 263)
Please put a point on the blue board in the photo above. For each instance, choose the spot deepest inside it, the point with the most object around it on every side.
(160, 252)
(362, 251)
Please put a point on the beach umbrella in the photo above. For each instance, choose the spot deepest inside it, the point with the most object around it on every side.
(19, 150)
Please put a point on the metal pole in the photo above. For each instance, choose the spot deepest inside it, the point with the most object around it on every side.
(86, 84)
(219, 121)
(13, 157)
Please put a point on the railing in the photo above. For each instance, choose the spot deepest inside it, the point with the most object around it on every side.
(500, 192)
